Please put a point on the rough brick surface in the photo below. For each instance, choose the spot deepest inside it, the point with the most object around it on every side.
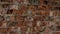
(29, 16)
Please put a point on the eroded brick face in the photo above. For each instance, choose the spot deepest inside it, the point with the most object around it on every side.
(29, 16)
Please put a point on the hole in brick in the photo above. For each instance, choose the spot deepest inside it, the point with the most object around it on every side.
(10, 11)
(46, 2)
(44, 6)
(2, 0)
(58, 28)
(57, 8)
